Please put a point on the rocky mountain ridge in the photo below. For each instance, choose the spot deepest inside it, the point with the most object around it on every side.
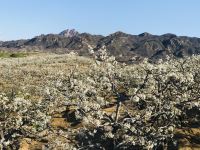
(123, 46)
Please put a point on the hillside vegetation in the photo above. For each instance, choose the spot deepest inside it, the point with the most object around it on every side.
(13, 55)
(70, 102)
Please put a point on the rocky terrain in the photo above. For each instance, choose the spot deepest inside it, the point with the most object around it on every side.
(123, 46)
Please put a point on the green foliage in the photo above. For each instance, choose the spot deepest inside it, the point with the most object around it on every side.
(4, 55)
(12, 54)
(16, 55)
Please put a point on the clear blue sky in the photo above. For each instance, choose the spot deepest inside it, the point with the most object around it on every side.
(28, 18)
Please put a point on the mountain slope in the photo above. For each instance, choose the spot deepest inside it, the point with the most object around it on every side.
(123, 46)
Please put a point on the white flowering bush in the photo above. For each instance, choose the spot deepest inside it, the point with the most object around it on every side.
(20, 117)
(106, 105)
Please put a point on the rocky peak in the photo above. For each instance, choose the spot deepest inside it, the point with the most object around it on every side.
(69, 33)
(169, 35)
(145, 34)
(119, 34)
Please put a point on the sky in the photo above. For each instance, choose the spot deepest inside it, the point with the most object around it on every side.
(22, 19)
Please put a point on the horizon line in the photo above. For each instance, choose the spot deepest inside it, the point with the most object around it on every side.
(105, 35)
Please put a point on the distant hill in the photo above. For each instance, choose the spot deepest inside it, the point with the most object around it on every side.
(122, 45)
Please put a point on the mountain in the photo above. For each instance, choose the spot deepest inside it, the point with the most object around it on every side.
(69, 33)
(12, 44)
(122, 45)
